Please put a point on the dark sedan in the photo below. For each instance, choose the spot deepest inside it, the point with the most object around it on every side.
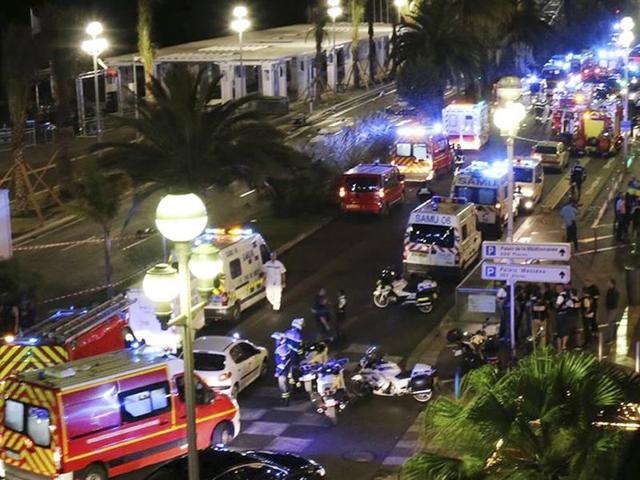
(223, 464)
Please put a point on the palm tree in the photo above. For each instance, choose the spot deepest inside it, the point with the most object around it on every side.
(433, 50)
(98, 196)
(61, 49)
(356, 7)
(18, 69)
(189, 144)
(539, 421)
(318, 18)
(145, 45)
(372, 43)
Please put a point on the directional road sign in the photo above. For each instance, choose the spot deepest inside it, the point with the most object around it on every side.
(526, 251)
(526, 273)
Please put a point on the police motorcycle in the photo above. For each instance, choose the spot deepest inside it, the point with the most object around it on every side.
(484, 343)
(391, 288)
(290, 353)
(458, 158)
(379, 376)
(329, 392)
(458, 356)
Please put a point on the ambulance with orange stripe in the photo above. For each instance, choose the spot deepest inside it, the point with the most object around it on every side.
(441, 235)
(103, 416)
(486, 185)
(421, 152)
(68, 335)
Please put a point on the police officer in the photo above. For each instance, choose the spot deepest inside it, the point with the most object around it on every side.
(293, 339)
(577, 177)
(284, 369)
(539, 319)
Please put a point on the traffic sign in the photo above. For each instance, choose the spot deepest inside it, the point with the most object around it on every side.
(625, 126)
(526, 251)
(515, 272)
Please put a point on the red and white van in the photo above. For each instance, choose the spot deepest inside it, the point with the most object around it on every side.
(467, 124)
(105, 415)
(421, 153)
(371, 187)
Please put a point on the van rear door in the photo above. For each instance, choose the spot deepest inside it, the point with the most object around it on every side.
(361, 189)
(28, 440)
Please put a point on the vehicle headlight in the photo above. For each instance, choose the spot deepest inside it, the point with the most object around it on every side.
(528, 204)
(527, 192)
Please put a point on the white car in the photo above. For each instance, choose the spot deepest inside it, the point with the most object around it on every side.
(229, 364)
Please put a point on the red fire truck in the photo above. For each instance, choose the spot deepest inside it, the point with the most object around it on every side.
(421, 153)
(68, 335)
(105, 415)
(598, 129)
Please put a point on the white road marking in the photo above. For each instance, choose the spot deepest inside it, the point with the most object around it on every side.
(92, 237)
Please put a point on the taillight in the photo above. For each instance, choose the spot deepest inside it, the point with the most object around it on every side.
(224, 299)
(381, 193)
(342, 192)
(225, 376)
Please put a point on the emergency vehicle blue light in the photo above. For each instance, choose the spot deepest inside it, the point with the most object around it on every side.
(602, 53)
(633, 67)
(32, 340)
(236, 335)
(437, 128)
(135, 344)
(413, 131)
(434, 206)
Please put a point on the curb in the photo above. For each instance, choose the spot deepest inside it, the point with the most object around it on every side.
(304, 235)
(423, 346)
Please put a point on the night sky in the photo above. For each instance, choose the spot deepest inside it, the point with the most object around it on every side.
(176, 21)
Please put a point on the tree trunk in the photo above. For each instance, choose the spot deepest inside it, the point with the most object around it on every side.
(372, 44)
(145, 45)
(317, 78)
(108, 268)
(21, 196)
(356, 17)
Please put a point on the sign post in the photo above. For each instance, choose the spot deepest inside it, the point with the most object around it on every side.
(524, 272)
(6, 248)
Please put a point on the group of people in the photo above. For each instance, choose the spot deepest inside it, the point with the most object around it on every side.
(626, 208)
(565, 313)
(328, 326)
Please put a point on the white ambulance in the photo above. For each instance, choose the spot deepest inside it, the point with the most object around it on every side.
(441, 235)
(528, 178)
(486, 186)
(467, 124)
(241, 283)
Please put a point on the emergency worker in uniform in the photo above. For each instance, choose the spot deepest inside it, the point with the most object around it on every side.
(284, 369)
(577, 177)
(274, 272)
(293, 339)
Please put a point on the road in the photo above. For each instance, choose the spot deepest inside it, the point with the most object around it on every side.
(348, 253)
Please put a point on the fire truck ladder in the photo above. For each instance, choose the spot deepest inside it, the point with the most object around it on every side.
(70, 327)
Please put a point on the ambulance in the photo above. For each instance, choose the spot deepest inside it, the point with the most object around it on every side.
(421, 153)
(441, 235)
(68, 335)
(528, 177)
(486, 186)
(104, 416)
(241, 281)
(467, 124)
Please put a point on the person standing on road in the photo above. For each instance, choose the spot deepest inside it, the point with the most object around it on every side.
(341, 312)
(611, 300)
(577, 177)
(563, 319)
(321, 311)
(274, 272)
(594, 293)
(621, 216)
(569, 213)
(588, 315)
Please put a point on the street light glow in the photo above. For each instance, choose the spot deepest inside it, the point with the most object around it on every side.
(625, 39)
(94, 46)
(205, 263)
(160, 284)
(181, 218)
(508, 117)
(400, 3)
(333, 3)
(94, 29)
(240, 11)
(240, 25)
(627, 24)
(334, 12)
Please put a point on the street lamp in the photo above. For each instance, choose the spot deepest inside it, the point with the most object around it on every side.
(240, 24)
(94, 47)
(334, 11)
(625, 40)
(507, 118)
(181, 218)
(400, 6)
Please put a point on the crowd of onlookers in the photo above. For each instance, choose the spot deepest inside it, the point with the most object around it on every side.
(626, 211)
(561, 314)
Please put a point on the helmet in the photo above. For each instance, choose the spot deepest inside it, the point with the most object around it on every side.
(454, 335)
(298, 323)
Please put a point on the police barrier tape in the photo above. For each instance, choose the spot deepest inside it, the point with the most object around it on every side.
(81, 242)
(99, 287)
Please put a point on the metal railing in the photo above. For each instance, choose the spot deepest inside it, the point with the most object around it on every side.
(6, 136)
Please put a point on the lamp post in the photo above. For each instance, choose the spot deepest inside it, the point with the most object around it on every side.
(625, 39)
(400, 6)
(507, 118)
(334, 11)
(94, 47)
(240, 24)
(180, 219)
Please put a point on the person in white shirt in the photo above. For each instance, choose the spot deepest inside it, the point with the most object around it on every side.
(274, 272)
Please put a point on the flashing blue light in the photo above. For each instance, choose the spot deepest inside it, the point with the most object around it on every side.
(616, 26)
(413, 131)
(437, 128)
(603, 54)
(633, 67)
(135, 344)
(236, 335)
(32, 340)
(434, 206)
(533, 78)
(569, 56)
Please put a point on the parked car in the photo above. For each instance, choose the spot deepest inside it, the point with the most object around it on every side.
(222, 464)
(551, 154)
(229, 364)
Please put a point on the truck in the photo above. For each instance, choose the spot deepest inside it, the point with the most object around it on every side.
(68, 335)
(467, 124)
(441, 235)
(421, 153)
(105, 415)
(598, 129)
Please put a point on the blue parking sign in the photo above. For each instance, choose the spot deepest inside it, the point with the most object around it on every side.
(490, 272)
(490, 251)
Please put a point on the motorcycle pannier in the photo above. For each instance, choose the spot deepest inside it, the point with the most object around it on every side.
(420, 383)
